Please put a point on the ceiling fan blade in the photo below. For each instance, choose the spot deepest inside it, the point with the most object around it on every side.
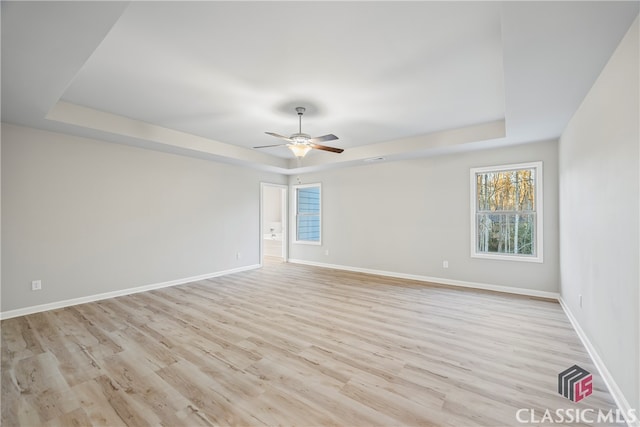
(325, 148)
(323, 138)
(279, 136)
(268, 146)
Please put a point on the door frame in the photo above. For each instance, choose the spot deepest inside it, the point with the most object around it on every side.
(284, 219)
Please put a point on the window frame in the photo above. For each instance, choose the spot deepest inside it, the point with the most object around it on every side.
(539, 213)
(296, 214)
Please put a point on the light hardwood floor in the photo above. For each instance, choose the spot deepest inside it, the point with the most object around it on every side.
(292, 345)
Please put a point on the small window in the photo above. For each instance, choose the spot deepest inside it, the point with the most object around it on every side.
(506, 207)
(307, 210)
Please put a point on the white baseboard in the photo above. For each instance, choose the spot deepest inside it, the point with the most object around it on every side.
(436, 280)
(619, 398)
(615, 391)
(91, 298)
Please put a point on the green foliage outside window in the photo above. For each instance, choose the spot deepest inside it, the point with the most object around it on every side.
(506, 212)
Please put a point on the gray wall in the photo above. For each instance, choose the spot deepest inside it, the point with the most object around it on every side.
(409, 216)
(272, 207)
(88, 217)
(599, 213)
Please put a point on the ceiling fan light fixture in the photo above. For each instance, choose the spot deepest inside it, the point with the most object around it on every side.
(301, 143)
(299, 150)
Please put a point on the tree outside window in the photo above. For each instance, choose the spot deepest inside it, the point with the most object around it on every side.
(507, 215)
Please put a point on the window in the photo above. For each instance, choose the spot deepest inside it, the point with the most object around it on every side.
(307, 211)
(506, 218)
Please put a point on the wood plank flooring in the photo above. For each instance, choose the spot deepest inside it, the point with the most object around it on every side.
(292, 345)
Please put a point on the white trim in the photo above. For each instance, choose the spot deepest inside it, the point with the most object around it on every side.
(615, 391)
(82, 300)
(435, 280)
(539, 206)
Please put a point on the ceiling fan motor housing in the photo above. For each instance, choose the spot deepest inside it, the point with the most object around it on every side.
(300, 138)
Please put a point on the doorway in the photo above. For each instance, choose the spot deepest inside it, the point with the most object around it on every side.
(273, 222)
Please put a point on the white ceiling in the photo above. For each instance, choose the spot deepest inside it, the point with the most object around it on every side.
(391, 79)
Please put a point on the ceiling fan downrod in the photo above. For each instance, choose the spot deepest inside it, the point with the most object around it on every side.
(300, 111)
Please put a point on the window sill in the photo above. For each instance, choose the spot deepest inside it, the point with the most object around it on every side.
(505, 257)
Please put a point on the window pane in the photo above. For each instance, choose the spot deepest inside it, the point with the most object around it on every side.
(507, 220)
(309, 200)
(512, 190)
(308, 214)
(506, 233)
(309, 228)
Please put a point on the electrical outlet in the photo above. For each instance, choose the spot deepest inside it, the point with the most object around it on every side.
(580, 300)
(326, 252)
(238, 255)
(36, 285)
(445, 264)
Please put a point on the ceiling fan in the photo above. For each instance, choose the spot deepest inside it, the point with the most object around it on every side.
(301, 143)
